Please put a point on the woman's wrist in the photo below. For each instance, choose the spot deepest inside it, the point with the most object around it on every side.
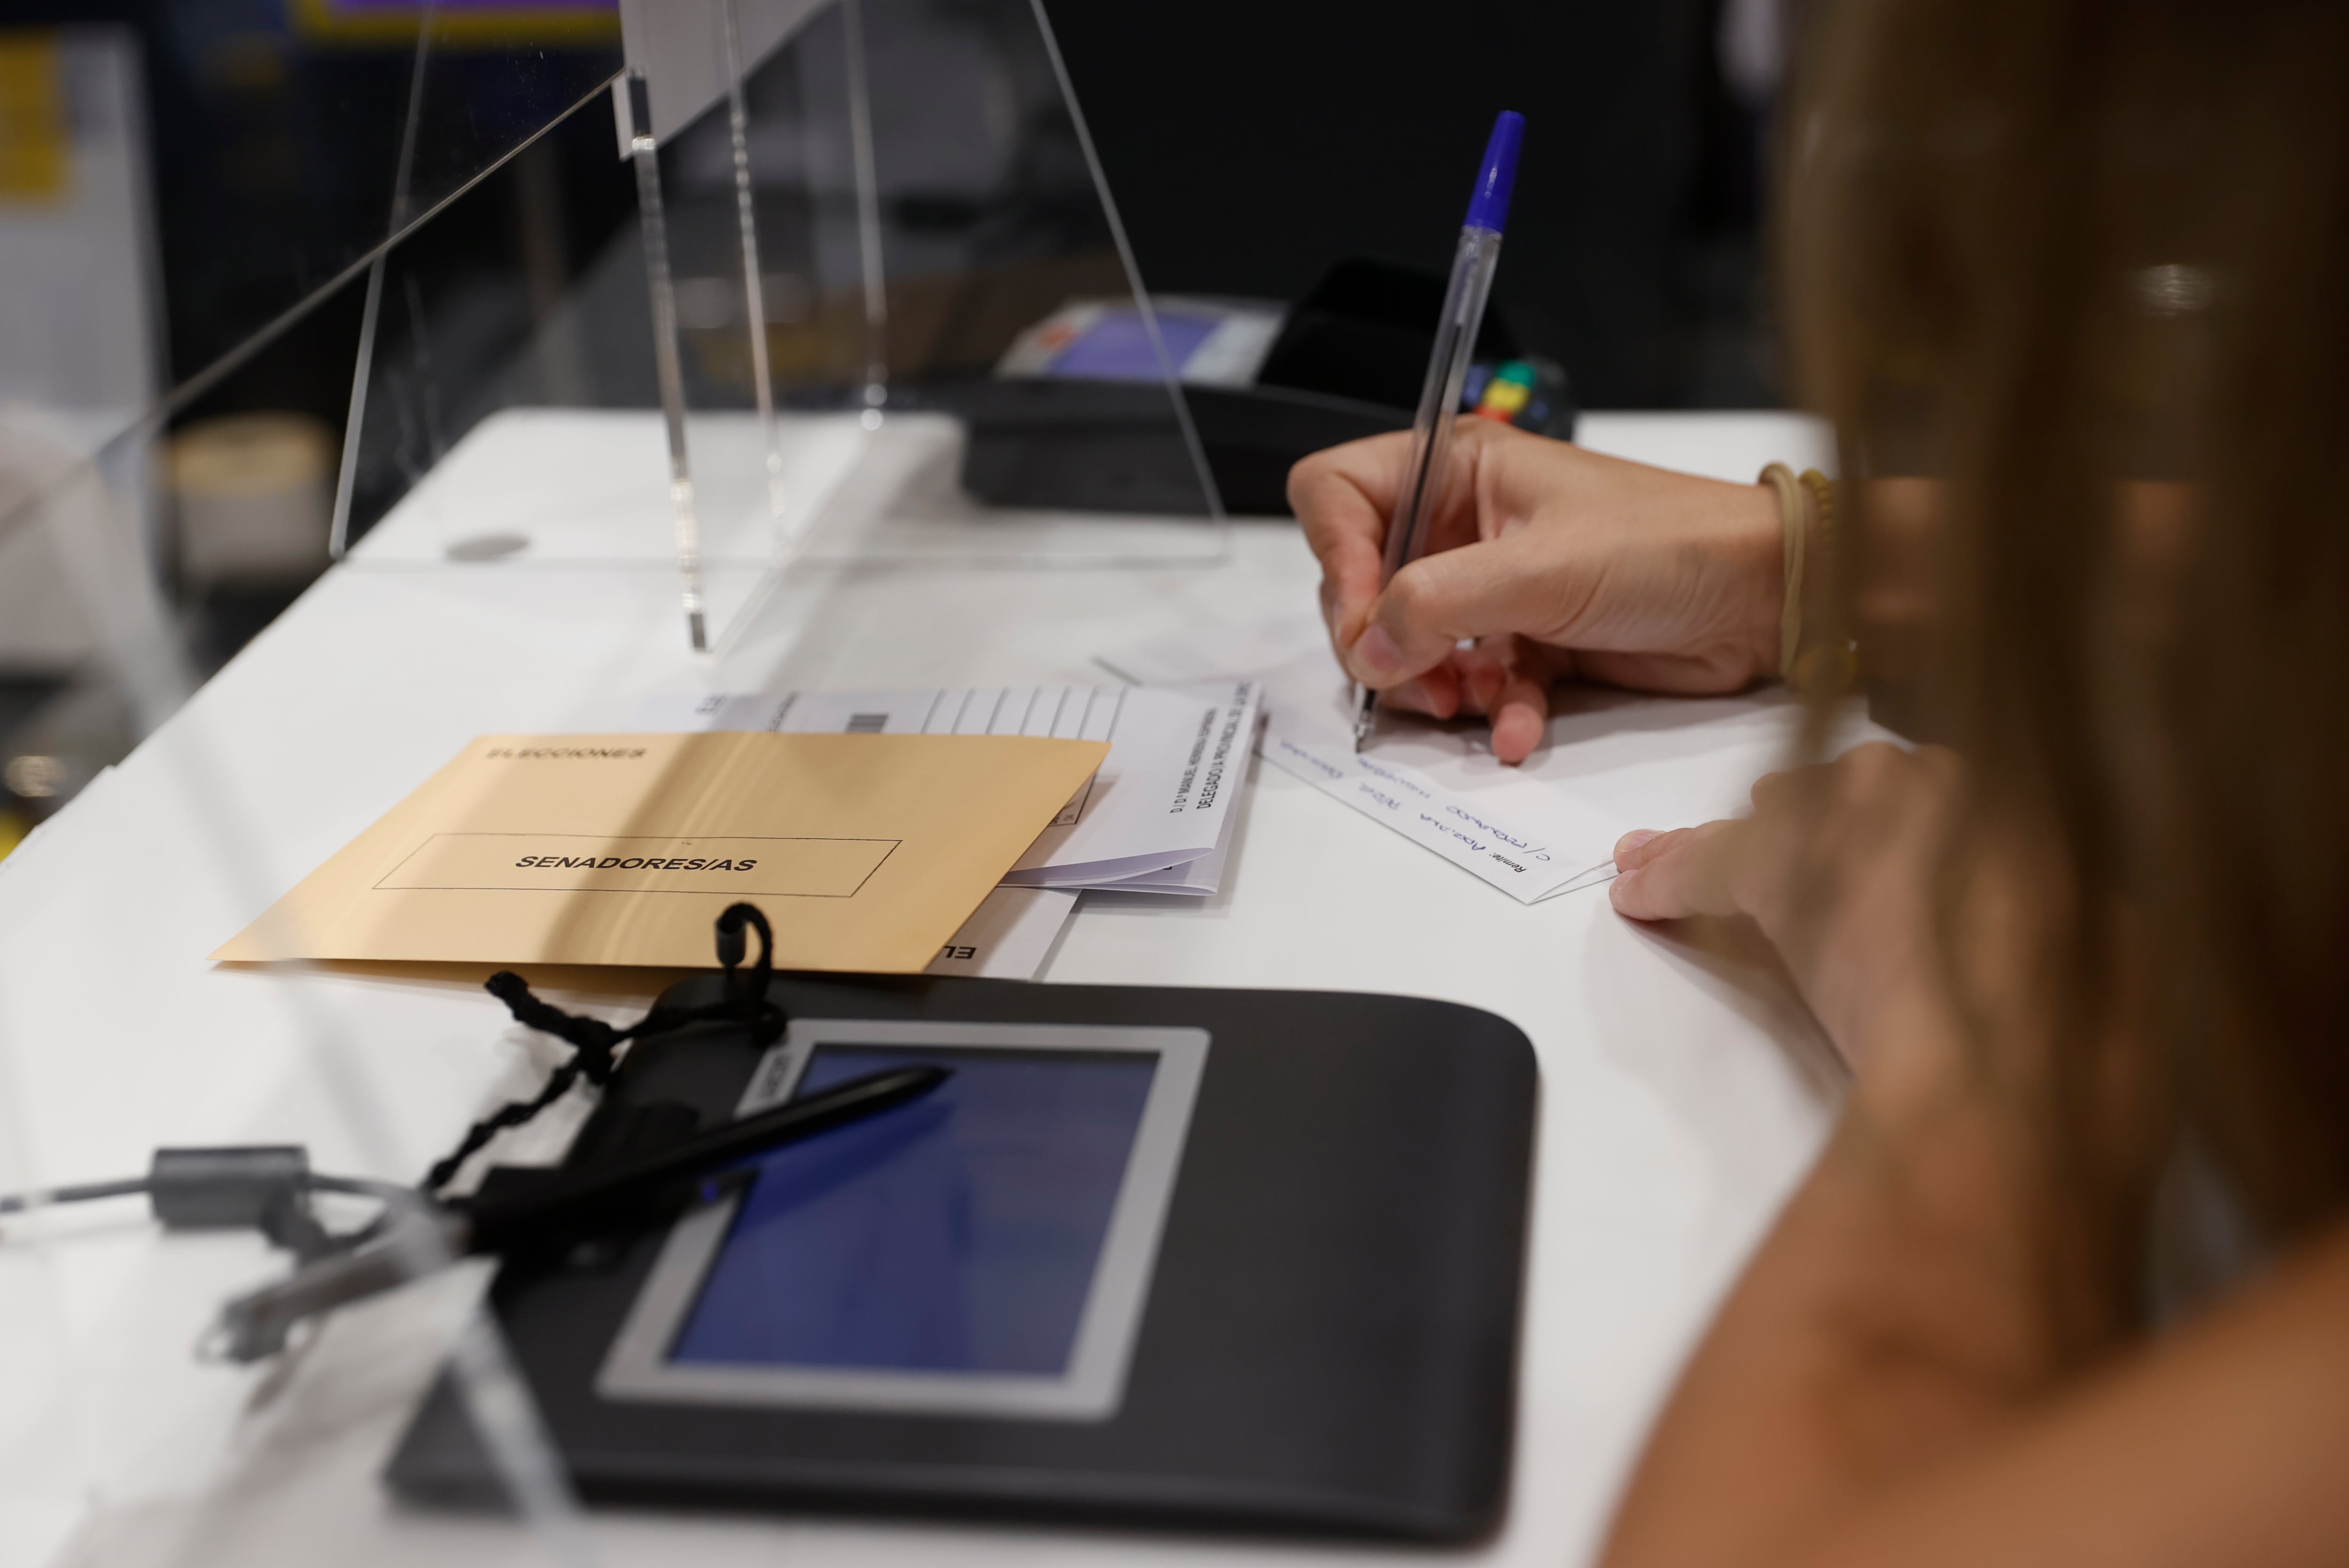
(1908, 1061)
(1754, 545)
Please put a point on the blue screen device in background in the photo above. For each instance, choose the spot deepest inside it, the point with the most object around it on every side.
(986, 1248)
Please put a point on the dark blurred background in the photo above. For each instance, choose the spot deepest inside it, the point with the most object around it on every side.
(1248, 148)
(1249, 145)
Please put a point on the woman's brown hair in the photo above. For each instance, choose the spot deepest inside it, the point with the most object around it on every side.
(2084, 265)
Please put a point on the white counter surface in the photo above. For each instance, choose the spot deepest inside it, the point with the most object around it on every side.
(1682, 1091)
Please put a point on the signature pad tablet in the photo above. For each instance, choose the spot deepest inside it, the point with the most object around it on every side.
(1165, 1257)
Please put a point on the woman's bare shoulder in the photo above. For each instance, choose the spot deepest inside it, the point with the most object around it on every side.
(2224, 1440)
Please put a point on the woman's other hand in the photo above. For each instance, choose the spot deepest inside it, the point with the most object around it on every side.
(1837, 866)
(1555, 562)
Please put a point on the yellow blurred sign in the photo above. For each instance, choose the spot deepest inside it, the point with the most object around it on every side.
(457, 22)
(35, 133)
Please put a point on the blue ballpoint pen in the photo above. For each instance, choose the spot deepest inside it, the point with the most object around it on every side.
(1472, 265)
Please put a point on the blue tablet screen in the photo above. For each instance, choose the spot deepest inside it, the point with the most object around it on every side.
(955, 1234)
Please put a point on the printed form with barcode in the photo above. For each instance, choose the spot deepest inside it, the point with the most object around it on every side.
(1156, 818)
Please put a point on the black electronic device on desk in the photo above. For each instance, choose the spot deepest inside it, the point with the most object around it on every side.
(1078, 414)
(1198, 1258)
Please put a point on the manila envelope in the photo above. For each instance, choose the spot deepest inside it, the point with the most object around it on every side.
(864, 852)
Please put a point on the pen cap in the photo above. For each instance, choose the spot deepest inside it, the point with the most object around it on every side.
(1489, 207)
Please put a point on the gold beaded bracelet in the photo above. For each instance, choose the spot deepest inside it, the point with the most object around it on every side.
(1807, 517)
(1791, 530)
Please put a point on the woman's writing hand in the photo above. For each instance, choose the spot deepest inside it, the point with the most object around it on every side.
(1555, 562)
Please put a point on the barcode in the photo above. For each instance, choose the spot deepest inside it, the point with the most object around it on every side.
(866, 723)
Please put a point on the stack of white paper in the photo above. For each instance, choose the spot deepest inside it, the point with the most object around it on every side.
(1155, 819)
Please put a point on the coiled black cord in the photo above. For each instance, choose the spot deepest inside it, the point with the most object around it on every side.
(595, 1044)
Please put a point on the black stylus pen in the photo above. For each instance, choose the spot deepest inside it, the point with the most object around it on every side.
(427, 1237)
(559, 1201)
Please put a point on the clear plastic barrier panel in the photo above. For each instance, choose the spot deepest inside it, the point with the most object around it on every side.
(860, 298)
(863, 305)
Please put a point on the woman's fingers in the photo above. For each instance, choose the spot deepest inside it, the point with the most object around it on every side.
(1518, 719)
(1497, 587)
(1341, 498)
(1508, 680)
(1484, 671)
(1436, 693)
(1666, 876)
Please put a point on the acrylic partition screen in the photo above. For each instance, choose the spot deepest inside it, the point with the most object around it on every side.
(191, 202)
(924, 346)
(859, 298)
